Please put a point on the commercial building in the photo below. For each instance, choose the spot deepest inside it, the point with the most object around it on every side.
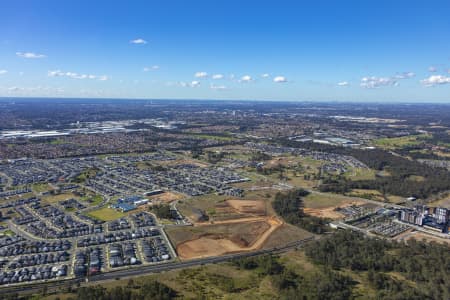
(433, 218)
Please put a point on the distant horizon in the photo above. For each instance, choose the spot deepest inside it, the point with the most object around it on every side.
(396, 51)
(384, 102)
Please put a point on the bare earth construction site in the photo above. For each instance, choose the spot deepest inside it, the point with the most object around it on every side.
(238, 225)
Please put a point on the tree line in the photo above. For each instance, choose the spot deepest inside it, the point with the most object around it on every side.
(425, 266)
(289, 206)
(162, 211)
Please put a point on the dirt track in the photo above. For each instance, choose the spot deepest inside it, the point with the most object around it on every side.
(167, 197)
(231, 221)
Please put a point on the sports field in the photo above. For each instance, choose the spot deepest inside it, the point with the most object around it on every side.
(106, 214)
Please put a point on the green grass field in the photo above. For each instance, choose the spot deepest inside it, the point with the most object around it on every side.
(367, 194)
(59, 197)
(40, 187)
(416, 178)
(360, 174)
(8, 232)
(57, 142)
(106, 214)
(213, 137)
(96, 199)
(205, 203)
(400, 142)
(324, 200)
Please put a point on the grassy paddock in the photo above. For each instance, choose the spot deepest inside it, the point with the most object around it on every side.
(106, 214)
(360, 174)
(325, 200)
(59, 197)
(399, 142)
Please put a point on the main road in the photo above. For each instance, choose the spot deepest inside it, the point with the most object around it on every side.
(139, 271)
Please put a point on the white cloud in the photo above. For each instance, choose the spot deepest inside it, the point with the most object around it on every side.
(280, 79)
(343, 83)
(217, 76)
(372, 82)
(432, 69)
(37, 90)
(103, 78)
(138, 41)
(435, 80)
(201, 75)
(218, 87)
(376, 82)
(30, 55)
(14, 89)
(3, 72)
(404, 75)
(155, 67)
(192, 84)
(195, 83)
(246, 78)
(58, 73)
(55, 73)
(265, 75)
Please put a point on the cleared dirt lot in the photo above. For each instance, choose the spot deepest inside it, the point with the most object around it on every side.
(234, 225)
(206, 246)
(166, 197)
(257, 207)
(222, 207)
(328, 213)
(443, 203)
(226, 237)
(284, 235)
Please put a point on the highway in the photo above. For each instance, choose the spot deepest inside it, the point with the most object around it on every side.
(139, 271)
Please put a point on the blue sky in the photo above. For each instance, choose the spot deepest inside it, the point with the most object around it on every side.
(262, 50)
